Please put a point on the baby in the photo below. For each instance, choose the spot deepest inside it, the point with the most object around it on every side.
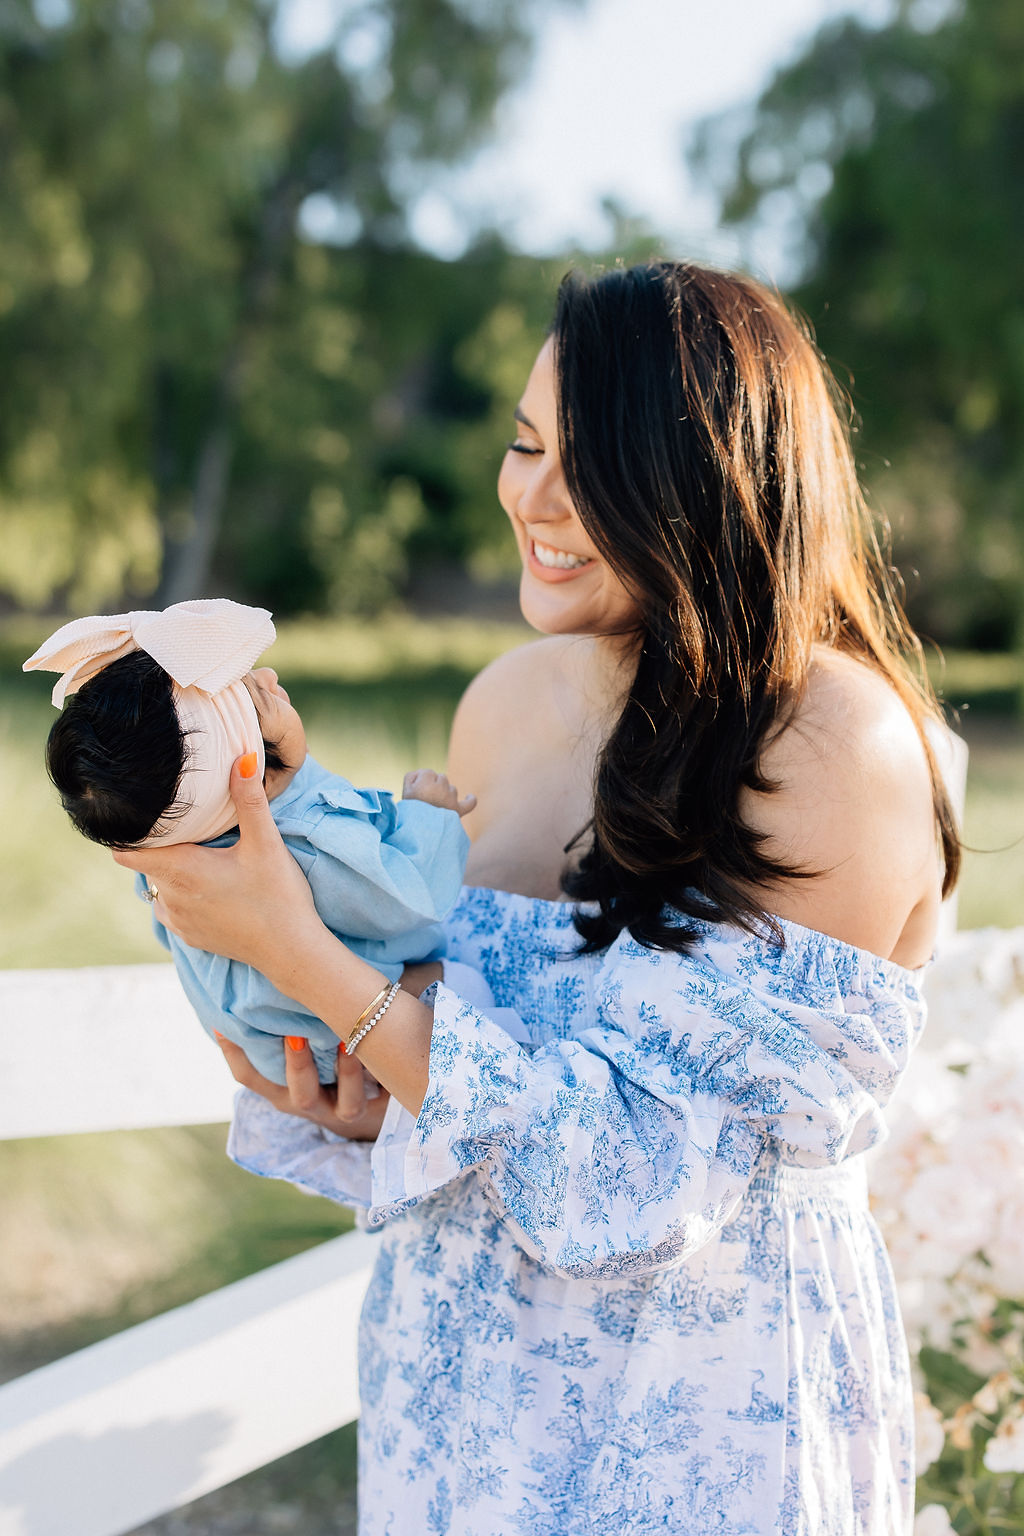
(160, 704)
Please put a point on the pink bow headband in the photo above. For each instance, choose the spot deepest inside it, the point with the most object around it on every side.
(206, 647)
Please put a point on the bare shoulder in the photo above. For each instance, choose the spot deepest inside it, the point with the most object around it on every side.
(509, 698)
(854, 805)
(850, 722)
(513, 676)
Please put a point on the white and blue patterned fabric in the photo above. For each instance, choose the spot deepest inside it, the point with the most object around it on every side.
(384, 873)
(628, 1279)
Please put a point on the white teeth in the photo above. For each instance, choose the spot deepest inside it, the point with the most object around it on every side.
(557, 559)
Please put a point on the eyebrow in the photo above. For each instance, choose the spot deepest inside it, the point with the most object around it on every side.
(263, 693)
(520, 415)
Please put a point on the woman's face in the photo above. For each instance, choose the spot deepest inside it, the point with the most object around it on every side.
(567, 587)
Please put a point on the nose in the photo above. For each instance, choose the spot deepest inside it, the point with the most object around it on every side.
(545, 497)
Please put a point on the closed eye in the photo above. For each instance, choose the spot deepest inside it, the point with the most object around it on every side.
(523, 448)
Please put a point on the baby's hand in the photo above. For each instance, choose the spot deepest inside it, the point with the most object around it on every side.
(433, 788)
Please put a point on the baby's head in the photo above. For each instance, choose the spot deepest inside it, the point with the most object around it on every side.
(143, 748)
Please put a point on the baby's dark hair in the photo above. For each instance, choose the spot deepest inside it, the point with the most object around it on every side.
(117, 752)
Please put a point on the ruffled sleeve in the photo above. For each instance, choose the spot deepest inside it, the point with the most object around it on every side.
(631, 1145)
(273, 1145)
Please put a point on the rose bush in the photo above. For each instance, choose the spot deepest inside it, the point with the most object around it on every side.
(948, 1193)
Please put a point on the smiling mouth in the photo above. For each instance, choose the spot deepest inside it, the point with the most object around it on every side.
(557, 559)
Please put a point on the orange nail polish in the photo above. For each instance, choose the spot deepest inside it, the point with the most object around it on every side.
(295, 1042)
(218, 1036)
(247, 765)
(342, 1049)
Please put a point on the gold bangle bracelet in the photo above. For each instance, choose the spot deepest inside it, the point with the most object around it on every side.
(370, 1008)
(360, 1035)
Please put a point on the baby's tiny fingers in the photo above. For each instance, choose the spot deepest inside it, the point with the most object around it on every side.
(466, 804)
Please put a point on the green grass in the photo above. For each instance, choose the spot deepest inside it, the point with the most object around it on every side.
(979, 682)
(991, 892)
(102, 1231)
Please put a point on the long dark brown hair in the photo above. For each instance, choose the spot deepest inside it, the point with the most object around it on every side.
(705, 449)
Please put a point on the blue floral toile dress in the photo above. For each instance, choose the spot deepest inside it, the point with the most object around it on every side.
(628, 1281)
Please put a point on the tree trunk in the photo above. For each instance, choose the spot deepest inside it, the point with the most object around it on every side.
(187, 561)
(188, 558)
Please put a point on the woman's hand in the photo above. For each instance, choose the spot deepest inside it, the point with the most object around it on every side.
(344, 1108)
(249, 902)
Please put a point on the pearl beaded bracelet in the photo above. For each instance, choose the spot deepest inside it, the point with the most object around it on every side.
(361, 1029)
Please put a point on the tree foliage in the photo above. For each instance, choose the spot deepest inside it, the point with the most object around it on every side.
(191, 385)
(899, 151)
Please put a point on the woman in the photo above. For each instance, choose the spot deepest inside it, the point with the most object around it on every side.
(628, 1281)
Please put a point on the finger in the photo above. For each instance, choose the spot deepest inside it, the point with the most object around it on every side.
(351, 1100)
(255, 823)
(129, 859)
(160, 914)
(368, 1126)
(158, 911)
(160, 864)
(304, 1090)
(418, 782)
(243, 1072)
(466, 804)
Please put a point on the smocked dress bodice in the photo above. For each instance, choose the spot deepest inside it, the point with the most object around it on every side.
(628, 1278)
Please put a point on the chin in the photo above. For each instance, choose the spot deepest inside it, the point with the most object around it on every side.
(544, 612)
(551, 611)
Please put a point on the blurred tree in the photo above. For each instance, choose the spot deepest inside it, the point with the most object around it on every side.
(174, 344)
(897, 153)
(383, 461)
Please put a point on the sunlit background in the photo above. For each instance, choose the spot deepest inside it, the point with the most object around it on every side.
(271, 278)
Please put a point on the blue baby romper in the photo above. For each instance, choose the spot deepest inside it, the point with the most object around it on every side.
(383, 872)
(628, 1280)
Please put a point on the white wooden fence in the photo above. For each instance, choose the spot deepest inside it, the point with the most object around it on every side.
(141, 1423)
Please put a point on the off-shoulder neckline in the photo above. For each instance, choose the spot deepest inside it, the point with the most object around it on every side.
(813, 939)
